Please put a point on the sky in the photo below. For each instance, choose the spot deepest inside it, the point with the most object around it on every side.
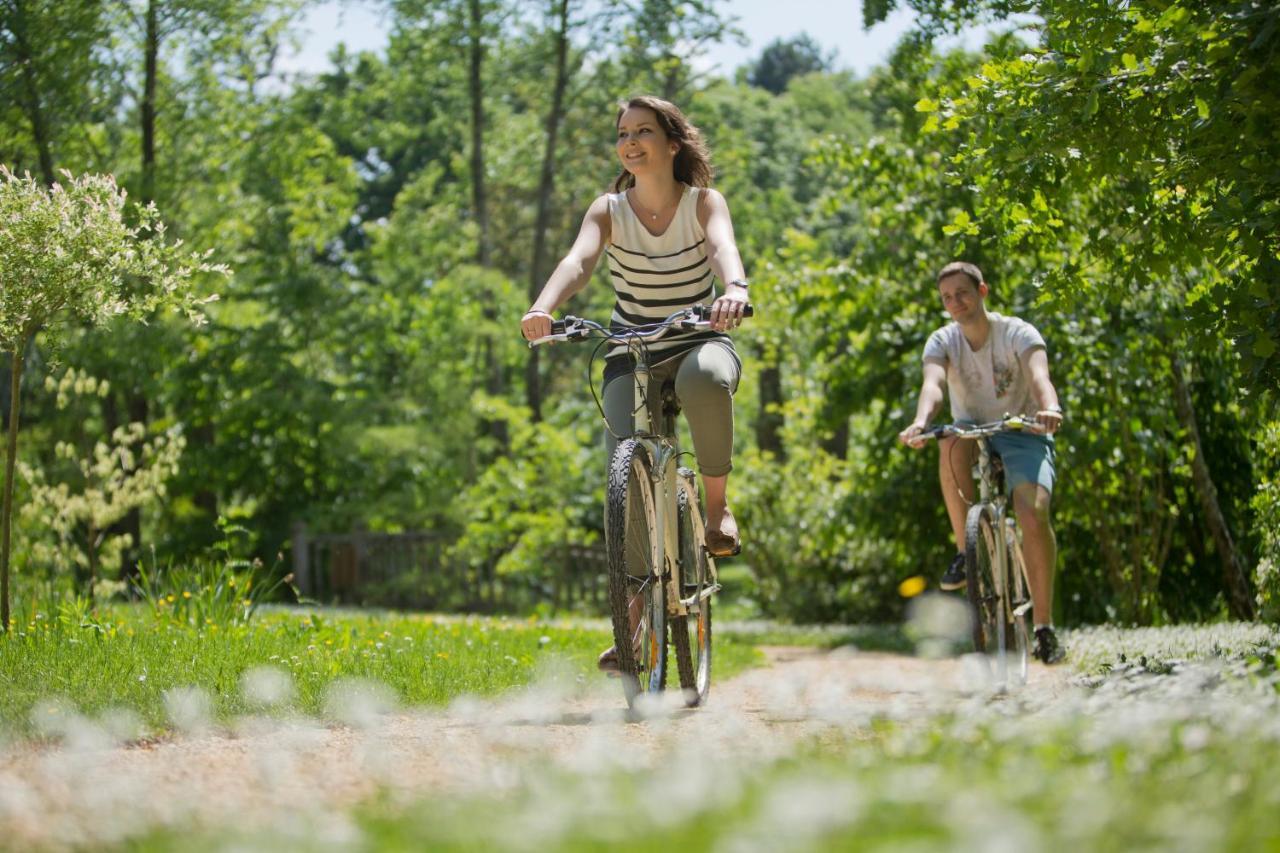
(834, 24)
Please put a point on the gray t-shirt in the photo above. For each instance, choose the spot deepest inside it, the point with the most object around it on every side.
(990, 383)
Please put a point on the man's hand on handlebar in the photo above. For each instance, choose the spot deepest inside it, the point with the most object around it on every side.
(913, 435)
(1048, 421)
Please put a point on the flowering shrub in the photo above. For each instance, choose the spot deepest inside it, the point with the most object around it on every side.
(71, 510)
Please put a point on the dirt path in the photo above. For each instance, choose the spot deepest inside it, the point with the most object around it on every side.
(273, 771)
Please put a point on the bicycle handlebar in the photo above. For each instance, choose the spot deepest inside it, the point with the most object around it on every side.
(578, 328)
(1010, 423)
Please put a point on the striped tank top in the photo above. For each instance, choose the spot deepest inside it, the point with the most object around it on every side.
(657, 275)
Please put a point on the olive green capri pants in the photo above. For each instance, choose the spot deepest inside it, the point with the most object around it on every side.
(705, 379)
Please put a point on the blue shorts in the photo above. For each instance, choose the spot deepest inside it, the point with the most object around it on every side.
(1027, 457)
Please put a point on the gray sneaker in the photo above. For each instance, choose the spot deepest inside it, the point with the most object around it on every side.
(953, 578)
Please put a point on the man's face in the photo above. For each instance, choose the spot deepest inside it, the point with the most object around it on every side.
(961, 297)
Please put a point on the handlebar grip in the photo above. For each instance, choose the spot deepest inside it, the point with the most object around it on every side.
(703, 312)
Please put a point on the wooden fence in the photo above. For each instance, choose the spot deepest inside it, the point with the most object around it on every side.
(415, 570)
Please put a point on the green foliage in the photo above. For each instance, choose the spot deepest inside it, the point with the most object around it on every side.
(553, 463)
(1266, 507)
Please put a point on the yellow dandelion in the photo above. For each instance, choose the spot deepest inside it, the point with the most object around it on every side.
(912, 586)
(442, 655)
(186, 593)
(169, 598)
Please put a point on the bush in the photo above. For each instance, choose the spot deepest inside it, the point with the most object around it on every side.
(1266, 508)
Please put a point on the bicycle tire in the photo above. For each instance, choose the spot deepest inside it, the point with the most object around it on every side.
(1019, 596)
(692, 636)
(635, 579)
(984, 562)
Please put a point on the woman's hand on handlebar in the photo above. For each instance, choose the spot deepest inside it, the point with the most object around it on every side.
(727, 310)
(535, 324)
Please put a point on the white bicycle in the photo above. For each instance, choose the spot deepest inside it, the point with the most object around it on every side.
(660, 573)
(996, 570)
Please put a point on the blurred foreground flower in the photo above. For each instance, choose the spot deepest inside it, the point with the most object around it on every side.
(912, 586)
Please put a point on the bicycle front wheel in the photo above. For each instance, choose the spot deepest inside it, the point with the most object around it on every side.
(1019, 600)
(691, 634)
(984, 561)
(637, 601)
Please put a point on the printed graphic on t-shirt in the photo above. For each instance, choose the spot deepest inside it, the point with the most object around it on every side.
(1003, 375)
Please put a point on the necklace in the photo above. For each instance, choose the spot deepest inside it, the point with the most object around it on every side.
(653, 215)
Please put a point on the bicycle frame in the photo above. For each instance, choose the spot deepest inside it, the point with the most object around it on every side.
(984, 471)
(663, 452)
(1004, 530)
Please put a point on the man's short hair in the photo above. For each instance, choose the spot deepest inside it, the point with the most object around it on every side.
(962, 267)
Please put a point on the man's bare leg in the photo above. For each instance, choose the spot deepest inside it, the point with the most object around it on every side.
(955, 471)
(1039, 547)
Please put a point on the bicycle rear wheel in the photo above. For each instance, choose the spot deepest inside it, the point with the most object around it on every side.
(984, 562)
(1019, 600)
(691, 634)
(637, 601)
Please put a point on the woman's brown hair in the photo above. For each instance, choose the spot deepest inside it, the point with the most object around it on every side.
(693, 161)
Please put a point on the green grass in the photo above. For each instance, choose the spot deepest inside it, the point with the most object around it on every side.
(129, 659)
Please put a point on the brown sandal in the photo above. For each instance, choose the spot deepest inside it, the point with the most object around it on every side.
(722, 544)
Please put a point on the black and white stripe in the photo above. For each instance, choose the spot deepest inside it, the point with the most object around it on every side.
(656, 275)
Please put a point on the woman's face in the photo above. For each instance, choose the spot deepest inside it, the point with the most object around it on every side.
(643, 147)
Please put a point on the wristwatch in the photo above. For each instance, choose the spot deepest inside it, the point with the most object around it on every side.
(741, 282)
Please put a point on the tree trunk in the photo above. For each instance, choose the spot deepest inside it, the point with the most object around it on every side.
(1235, 575)
(151, 53)
(40, 132)
(495, 382)
(136, 403)
(769, 423)
(546, 186)
(11, 457)
(475, 88)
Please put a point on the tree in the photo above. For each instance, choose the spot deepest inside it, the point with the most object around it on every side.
(72, 252)
(46, 63)
(785, 59)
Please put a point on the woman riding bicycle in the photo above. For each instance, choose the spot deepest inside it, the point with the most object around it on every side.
(666, 232)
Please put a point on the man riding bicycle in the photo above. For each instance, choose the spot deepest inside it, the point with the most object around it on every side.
(994, 366)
